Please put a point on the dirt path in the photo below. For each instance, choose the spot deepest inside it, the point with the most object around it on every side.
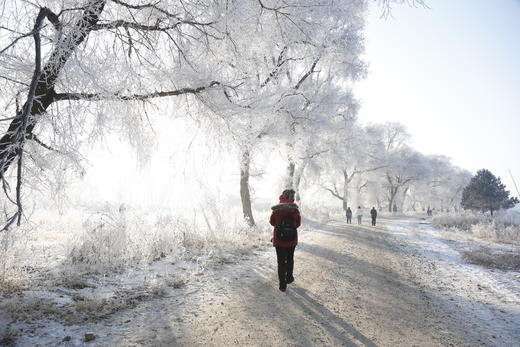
(354, 287)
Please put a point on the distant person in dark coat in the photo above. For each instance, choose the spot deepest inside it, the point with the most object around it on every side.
(284, 214)
(349, 215)
(373, 214)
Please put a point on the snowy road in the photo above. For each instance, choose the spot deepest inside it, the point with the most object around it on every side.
(391, 285)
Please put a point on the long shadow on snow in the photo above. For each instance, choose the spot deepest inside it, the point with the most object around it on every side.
(301, 310)
(336, 326)
(384, 281)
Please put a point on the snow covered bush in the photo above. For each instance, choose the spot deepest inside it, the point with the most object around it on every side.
(504, 226)
(497, 231)
(15, 263)
(103, 241)
(69, 248)
(111, 239)
(461, 221)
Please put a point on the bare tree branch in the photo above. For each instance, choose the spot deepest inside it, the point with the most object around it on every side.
(281, 61)
(148, 5)
(307, 74)
(334, 192)
(44, 145)
(14, 81)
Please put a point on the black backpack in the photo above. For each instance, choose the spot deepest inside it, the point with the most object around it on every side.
(286, 231)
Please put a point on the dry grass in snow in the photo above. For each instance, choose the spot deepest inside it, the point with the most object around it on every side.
(504, 226)
(491, 258)
(85, 266)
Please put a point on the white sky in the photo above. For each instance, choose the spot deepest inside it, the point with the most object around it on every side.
(451, 74)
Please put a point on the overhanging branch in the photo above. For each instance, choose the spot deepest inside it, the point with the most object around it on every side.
(334, 192)
(38, 141)
(135, 97)
(137, 26)
(141, 7)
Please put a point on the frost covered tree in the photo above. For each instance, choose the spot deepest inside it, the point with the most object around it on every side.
(397, 157)
(454, 187)
(289, 80)
(319, 116)
(403, 168)
(321, 87)
(445, 184)
(486, 192)
(439, 187)
(325, 78)
(355, 152)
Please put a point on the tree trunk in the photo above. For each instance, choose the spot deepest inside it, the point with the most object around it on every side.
(45, 92)
(405, 191)
(346, 181)
(289, 179)
(298, 174)
(393, 193)
(244, 188)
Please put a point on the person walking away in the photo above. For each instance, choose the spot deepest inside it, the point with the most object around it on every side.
(359, 214)
(373, 214)
(349, 215)
(286, 219)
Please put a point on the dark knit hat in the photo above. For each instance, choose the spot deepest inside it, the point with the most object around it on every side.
(288, 194)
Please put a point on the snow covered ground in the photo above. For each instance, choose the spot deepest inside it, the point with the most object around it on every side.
(400, 283)
(488, 298)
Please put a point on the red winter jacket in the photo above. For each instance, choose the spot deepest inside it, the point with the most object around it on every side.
(284, 208)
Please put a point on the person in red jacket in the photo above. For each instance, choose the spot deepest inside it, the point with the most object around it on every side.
(285, 216)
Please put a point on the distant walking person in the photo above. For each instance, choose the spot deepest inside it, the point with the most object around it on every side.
(359, 214)
(286, 219)
(373, 214)
(349, 215)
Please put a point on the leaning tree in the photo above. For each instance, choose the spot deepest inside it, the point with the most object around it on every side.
(67, 73)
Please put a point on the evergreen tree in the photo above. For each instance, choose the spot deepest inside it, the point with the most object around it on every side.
(486, 192)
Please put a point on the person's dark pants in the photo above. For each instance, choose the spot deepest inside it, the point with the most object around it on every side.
(285, 256)
(349, 220)
(374, 221)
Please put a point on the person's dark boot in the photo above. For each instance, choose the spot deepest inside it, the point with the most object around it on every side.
(283, 287)
(290, 279)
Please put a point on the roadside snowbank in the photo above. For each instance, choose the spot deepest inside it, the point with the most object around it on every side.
(441, 261)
